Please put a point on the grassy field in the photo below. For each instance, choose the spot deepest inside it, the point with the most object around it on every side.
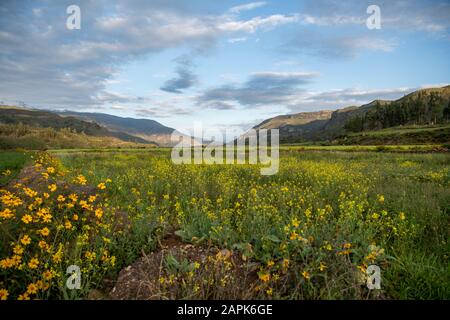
(308, 232)
(420, 134)
(11, 162)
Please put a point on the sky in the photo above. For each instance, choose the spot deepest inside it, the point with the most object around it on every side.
(227, 64)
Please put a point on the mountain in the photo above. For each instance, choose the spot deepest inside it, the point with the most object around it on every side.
(47, 119)
(14, 136)
(305, 125)
(423, 107)
(148, 130)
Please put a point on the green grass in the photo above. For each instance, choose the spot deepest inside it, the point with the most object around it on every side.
(366, 148)
(403, 129)
(428, 134)
(13, 161)
(236, 207)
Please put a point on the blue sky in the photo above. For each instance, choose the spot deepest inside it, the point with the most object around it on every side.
(228, 64)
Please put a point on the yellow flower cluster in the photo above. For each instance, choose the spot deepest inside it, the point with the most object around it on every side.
(41, 223)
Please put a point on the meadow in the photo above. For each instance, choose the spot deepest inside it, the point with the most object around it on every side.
(11, 162)
(308, 232)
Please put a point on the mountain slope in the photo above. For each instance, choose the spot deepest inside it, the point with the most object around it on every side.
(149, 130)
(13, 136)
(303, 125)
(46, 119)
(422, 107)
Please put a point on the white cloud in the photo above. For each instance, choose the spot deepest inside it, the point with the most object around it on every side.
(332, 20)
(256, 23)
(234, 40)
(248, 6)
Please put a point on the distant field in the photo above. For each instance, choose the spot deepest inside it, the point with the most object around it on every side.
(293, 148)
(367, 148)
(437, 134)
(406, 129)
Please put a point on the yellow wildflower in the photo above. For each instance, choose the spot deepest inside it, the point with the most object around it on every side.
(47, 218)
(44, 232)
(306, 275)
(27, 219)
(6, 214)
(264, 277)
(80, 179)
(51, 170)
(18, 249)
(101, 186)
(33, 263)
(25, 240)
(99, 213)
(23, 297)
(4, 294)
(43, 245)
(32, 288)
(47, 275)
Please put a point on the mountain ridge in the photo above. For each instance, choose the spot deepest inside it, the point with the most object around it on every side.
(329, 125)
(146, 129)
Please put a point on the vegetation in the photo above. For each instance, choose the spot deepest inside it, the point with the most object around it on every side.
(46, 119)
(422, 108)
(37, 138)
(11, 162)
(410, 134)
(309, 231)
(425, 107)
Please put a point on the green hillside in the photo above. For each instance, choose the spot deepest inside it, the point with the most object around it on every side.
(422, 108)
(416, 134)
(46, 119)
(14, 136)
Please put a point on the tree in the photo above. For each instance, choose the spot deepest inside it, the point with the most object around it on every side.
(446, 112)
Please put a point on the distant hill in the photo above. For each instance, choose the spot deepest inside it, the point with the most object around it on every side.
(13, 136)
(47, 119)
(423, 107)
(148, 130)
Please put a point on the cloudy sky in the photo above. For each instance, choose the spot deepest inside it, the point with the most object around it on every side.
(225, 63)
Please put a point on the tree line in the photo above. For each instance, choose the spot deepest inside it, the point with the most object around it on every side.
(420, 109)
